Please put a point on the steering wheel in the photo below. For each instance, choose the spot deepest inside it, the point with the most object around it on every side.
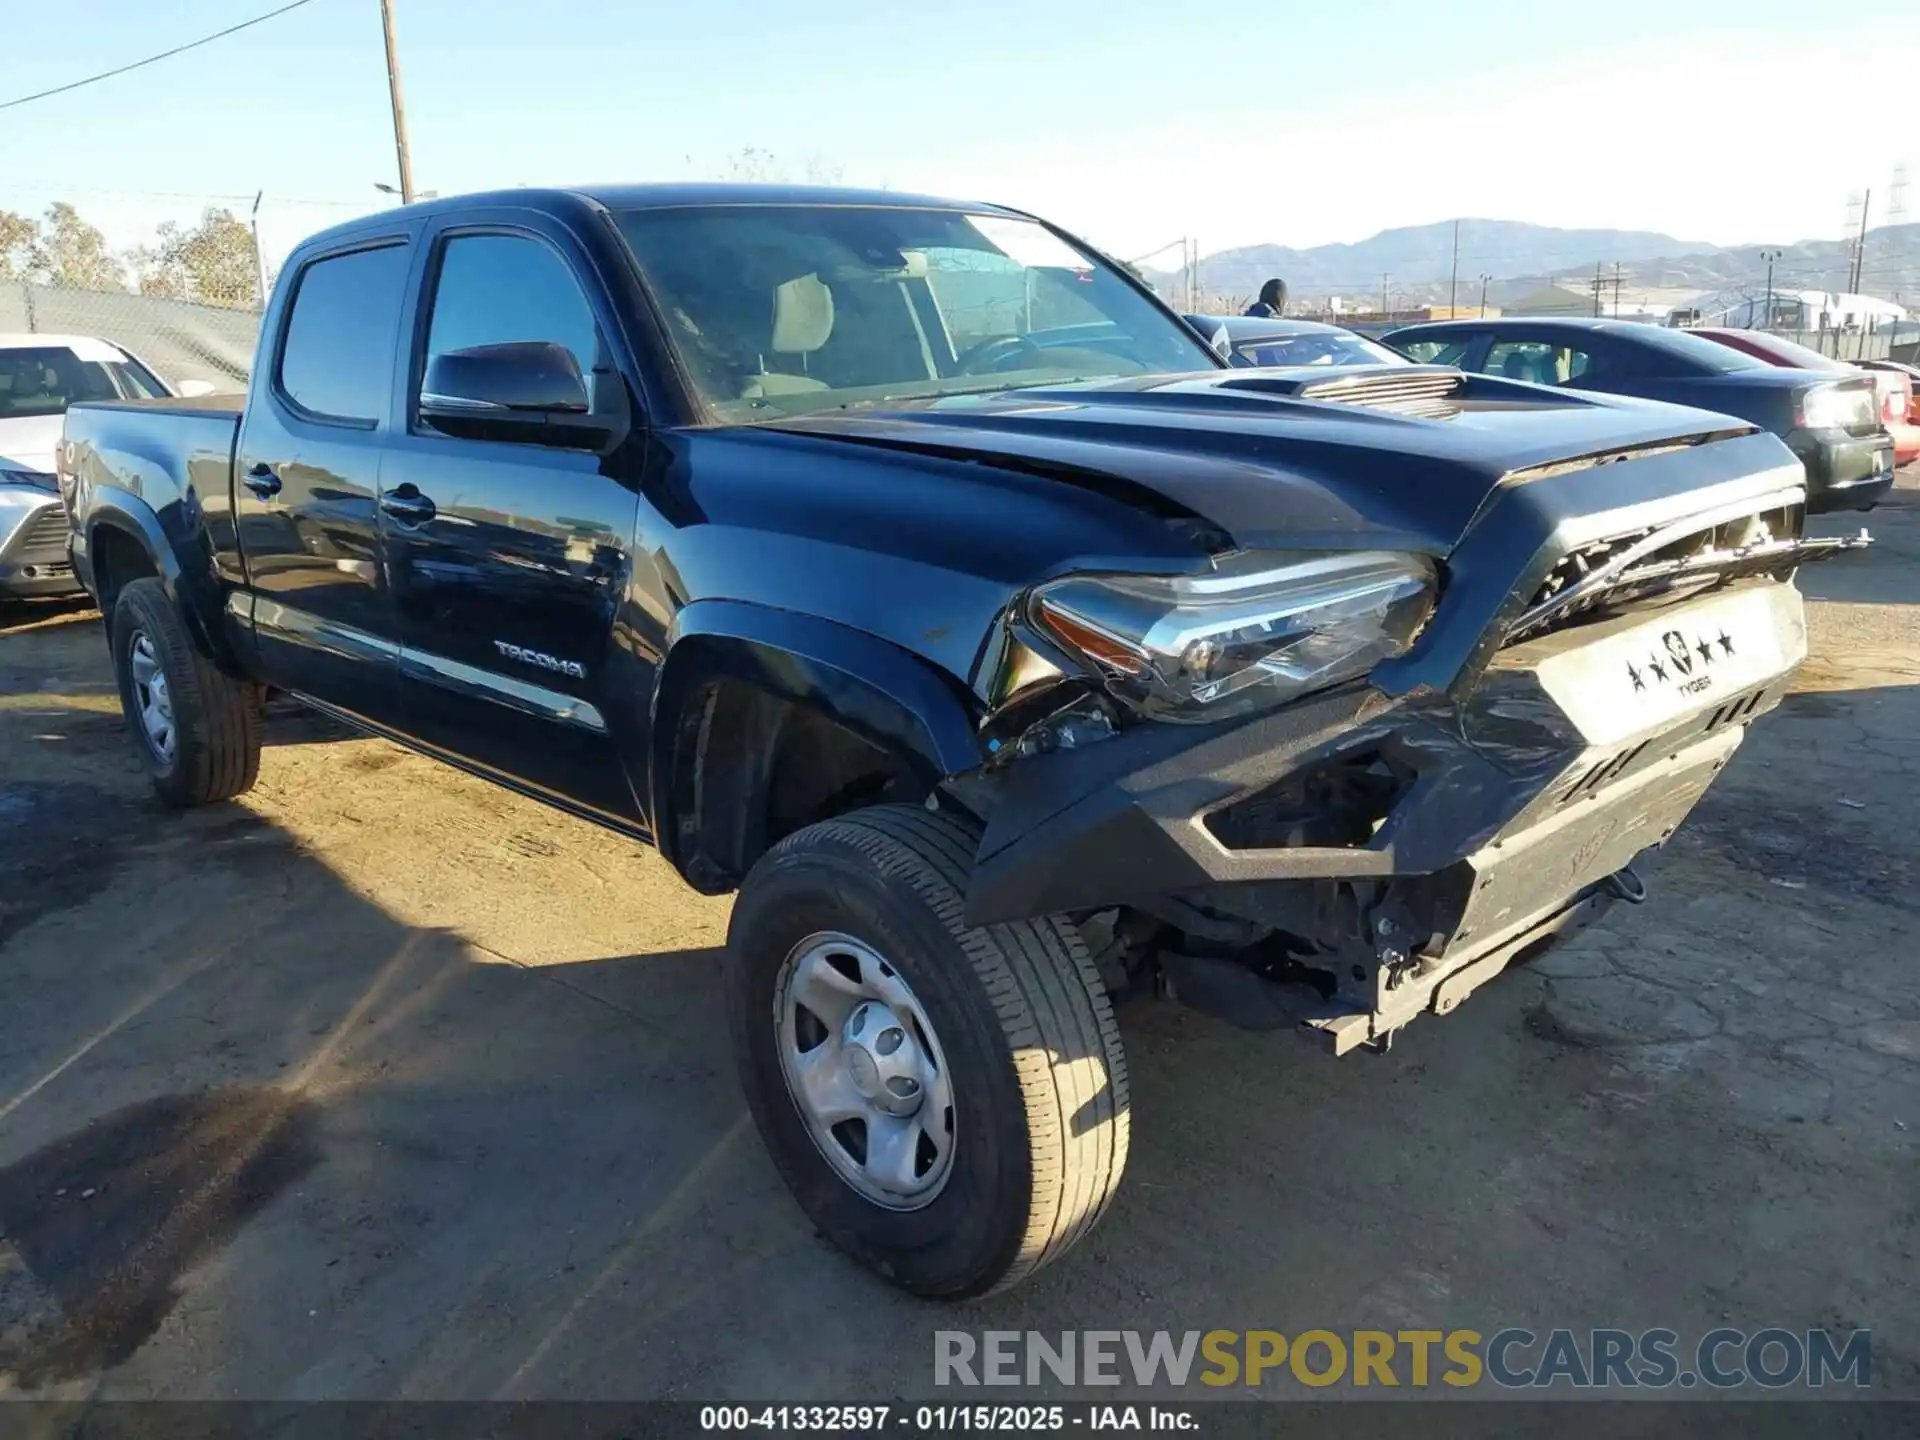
(991, 356)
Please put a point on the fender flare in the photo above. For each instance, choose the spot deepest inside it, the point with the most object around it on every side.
(882, 693)
(195, 593)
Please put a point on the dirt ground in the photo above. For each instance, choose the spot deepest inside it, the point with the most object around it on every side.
(385, 1083)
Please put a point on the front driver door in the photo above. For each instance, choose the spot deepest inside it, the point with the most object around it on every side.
(509, 558)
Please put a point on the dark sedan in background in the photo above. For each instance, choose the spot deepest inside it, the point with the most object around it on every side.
(1265, 343)
(1830, 420)
(1890, 381)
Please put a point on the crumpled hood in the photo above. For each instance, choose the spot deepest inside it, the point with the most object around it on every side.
(1270, 467)
(28, 442)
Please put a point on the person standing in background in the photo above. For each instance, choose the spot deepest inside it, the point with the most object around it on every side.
(1272, 302)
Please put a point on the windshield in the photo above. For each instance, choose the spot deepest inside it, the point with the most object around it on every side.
(44, 380)
(782, 309)
(1317, 347)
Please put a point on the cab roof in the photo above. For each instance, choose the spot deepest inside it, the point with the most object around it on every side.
(662, 196)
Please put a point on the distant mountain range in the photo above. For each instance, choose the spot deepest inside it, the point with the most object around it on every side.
(1521, 258)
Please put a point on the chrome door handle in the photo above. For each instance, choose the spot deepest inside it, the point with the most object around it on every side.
(408, 505)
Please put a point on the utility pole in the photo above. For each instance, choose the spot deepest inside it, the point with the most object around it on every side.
(1616, 289)
(1769, 256)
(399, 105)
(259, 260)
(1860, 246)
(1485, 280)
(1598, 285)
(1383, 297)
(1453, 282)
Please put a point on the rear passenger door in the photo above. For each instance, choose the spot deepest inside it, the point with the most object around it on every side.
(508, 557)
(308, 477)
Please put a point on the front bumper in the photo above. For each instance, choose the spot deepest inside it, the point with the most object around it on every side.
(1505, 814)
(1844, 472)
(33, 545)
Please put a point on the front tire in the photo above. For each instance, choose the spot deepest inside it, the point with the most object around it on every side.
(197, 728)
(957, 1117)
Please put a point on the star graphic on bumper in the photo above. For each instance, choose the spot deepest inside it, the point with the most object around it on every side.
(1659, 670)
(1706, 651)
(1633, 674)
(1726, 644)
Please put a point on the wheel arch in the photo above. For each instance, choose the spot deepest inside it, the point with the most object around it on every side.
(126, 541)
(751, 683)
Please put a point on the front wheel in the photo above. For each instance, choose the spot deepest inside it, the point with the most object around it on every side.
(947, 1103)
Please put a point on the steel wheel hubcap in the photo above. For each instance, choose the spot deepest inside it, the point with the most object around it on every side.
(151, 695)
(865, 1070)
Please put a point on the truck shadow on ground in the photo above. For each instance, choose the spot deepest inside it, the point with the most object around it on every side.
(332, 1154)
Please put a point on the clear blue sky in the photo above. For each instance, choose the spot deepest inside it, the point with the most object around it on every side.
(1237, 121)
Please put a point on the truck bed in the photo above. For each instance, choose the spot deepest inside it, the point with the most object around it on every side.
(132, 464)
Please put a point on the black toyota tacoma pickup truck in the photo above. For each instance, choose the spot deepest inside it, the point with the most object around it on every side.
(907, 567)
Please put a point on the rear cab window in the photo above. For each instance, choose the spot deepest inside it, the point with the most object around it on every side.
(336, 360)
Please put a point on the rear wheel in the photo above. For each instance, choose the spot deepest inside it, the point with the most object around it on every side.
(197, 728)
(947, 1103)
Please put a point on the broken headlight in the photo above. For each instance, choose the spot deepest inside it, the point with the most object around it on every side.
(1256, 631)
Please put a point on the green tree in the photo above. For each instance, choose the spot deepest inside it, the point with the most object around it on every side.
(73, 254)
(19, 246)
(213, 262)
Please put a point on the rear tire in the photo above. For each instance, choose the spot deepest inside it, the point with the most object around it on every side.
(1028, 1053)
(196, 728)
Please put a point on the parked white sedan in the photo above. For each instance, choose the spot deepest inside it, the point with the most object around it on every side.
(40, 375)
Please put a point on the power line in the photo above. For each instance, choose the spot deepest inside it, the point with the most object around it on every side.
(151, 59)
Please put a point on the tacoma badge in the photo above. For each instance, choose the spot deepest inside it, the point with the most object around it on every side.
(545, 662)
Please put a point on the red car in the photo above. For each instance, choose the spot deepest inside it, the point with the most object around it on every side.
(1894, 386)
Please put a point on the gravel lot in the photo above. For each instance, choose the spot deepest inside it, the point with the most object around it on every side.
(385, 1083)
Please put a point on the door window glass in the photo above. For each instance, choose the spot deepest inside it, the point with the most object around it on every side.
(1446, 350)
(502, 289)
(1538, 362)
(337, 362)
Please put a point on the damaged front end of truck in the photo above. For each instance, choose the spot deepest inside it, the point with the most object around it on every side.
(1340, 788)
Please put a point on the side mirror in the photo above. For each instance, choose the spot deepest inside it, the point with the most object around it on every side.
(194, 389)
(529, 391)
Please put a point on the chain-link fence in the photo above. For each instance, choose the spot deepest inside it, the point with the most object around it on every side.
(176, 280)
(177, 339)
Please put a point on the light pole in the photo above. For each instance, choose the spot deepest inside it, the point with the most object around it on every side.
(1769, 256)
(399, 106)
